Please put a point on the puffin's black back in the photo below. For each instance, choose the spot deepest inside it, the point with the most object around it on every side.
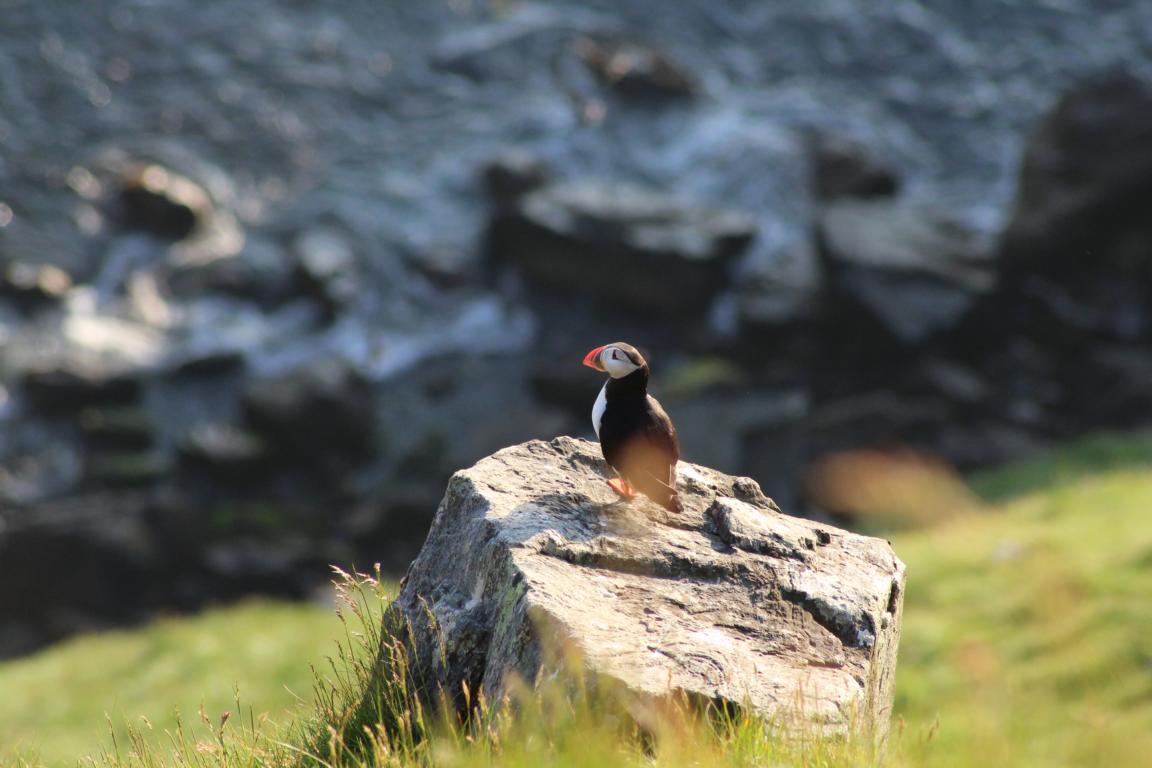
(639, 440)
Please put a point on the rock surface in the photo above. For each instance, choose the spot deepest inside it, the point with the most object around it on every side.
(638, 70)
(844, 168)
(606, 241)
(323, 407)
(1079, 241)
(730, 600)
(910, 269)
(98, 560)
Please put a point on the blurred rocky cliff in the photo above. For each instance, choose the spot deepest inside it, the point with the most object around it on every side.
(270, 272)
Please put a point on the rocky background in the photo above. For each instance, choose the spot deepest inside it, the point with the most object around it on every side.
(271, 272)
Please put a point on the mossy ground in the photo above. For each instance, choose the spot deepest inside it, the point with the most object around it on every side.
(1027, 642)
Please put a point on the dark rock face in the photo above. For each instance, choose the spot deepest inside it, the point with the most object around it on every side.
(33, 287)
(637, 70)
(729, 600)
(1080, 239)
(318, 413)
(328, 267)
(103, 559)
(227, 453)
(263, 272)
(608, 242)
(37, 461)
(153, 199)
(70, 389)
(779, 307)
(912, 272)
(844, 168)
(511, 175)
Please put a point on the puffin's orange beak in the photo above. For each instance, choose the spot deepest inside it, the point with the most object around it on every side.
(592, 359)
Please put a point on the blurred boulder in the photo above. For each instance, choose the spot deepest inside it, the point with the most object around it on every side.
(117, 428)
(877, 419)
(986, 443)
(714, 423)
(125, 468)
(757, 432)
(969, 435)
(1111, 386)
(778, 305)
(286, 565)
(511, 175)
(426, 407)
(33, 287)
(1079, 242)
(103, 559)
(207, 364)
(841, 167)
(71, 566)
(959, 383)
(328, 266)
(903, 271)
(262, 272)
(636, 69)
(608, 241)
(444, 266)
(69, 389)
(156, 200)
(390, 528)
(558, 380)
(320, 413)
(226, 453)
(38, 461)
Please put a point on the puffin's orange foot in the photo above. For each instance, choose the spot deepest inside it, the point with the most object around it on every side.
(621, 487)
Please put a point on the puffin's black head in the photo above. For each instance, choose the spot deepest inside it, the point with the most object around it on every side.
(617, 359)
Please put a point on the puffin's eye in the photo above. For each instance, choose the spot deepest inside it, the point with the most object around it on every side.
(615, 355)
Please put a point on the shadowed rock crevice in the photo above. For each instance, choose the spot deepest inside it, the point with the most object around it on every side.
(728, 600)
(856, 631)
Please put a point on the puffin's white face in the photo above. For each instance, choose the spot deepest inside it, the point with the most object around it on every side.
(616, 361)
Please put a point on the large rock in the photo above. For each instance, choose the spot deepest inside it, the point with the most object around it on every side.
(101, 559)
(637, 69)
(321, 412)
(153, 199)
(729, 600)
(68, 389)
(512, 174)
(841, 167)
(262, 272)
(607, 241)
(33, 287)
(1080, 239)
(912, 273)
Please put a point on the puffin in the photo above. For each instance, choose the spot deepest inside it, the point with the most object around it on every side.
(636, 435)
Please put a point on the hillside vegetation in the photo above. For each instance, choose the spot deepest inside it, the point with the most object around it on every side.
(1027, 642)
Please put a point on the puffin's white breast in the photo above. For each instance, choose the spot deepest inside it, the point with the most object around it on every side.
(598, 408)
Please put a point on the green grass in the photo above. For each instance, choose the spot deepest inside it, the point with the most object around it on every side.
(53, 705)
(1028, 629)
(1027, 642)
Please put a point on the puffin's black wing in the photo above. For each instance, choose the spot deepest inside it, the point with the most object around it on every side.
(662, 431)
(647, 456)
